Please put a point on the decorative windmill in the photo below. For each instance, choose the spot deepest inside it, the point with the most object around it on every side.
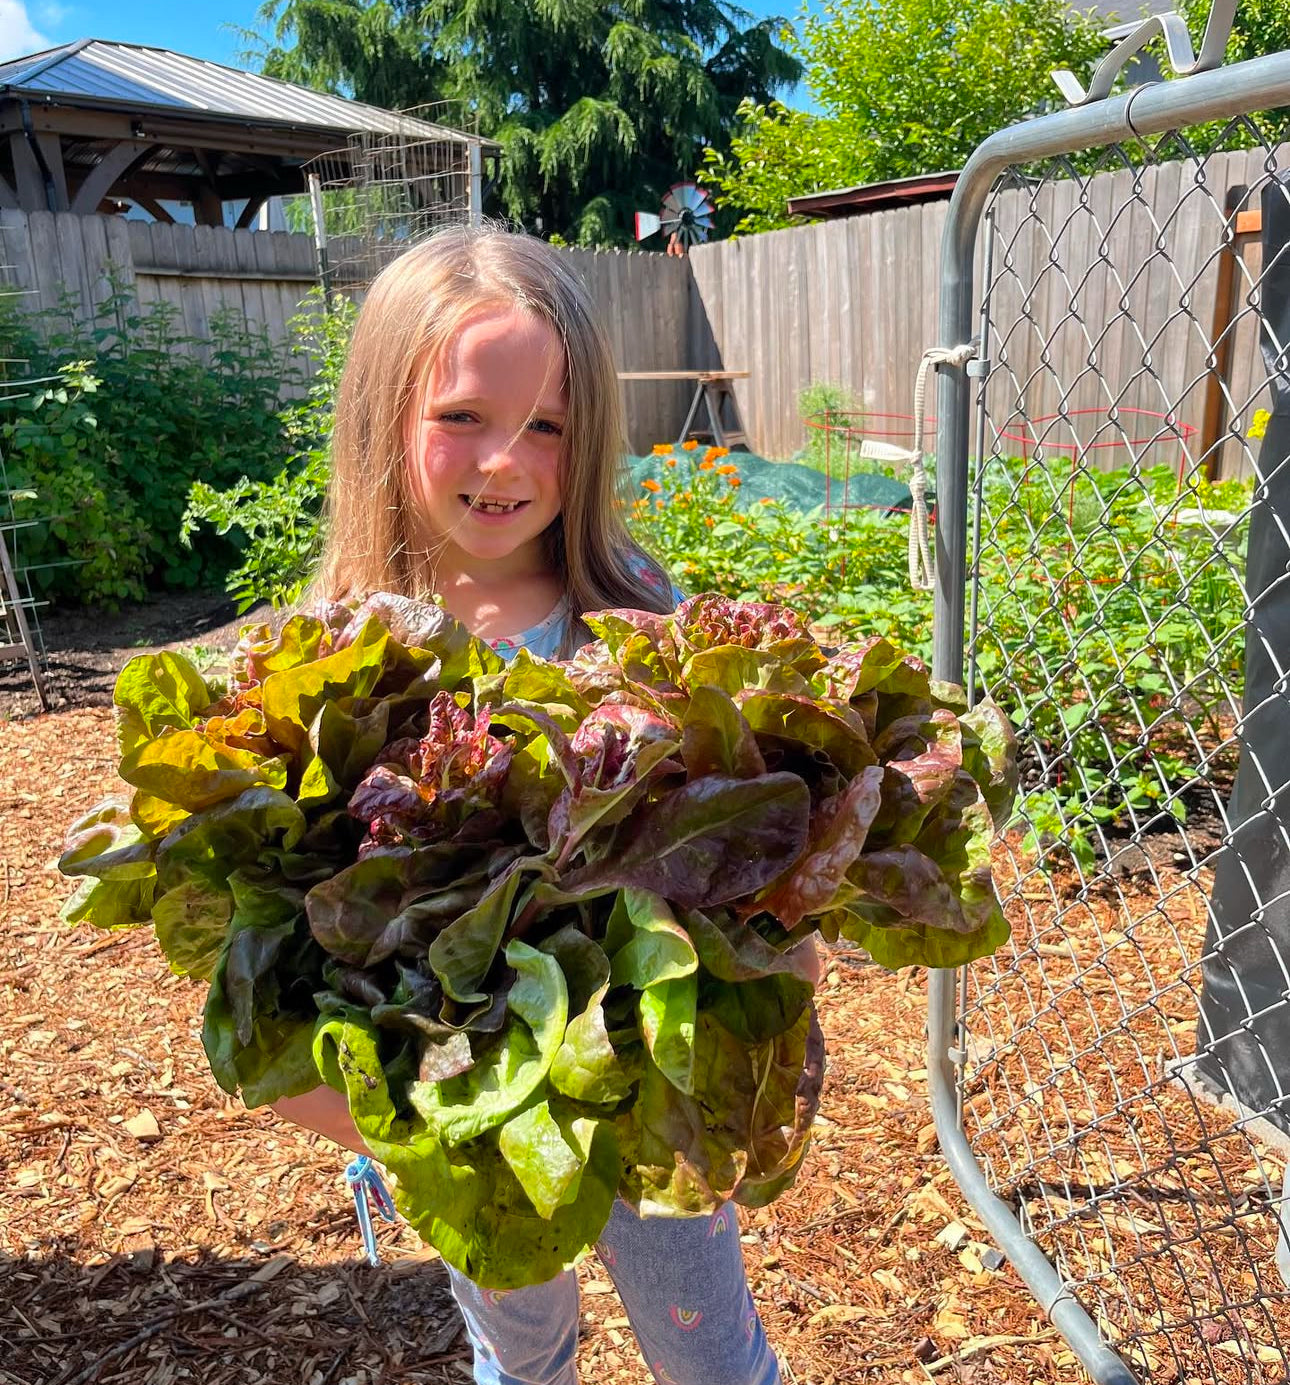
(685, 217)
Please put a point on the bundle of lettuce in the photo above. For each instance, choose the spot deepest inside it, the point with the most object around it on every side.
(548, 925)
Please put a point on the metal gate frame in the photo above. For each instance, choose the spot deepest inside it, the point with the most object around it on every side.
(1218, 94)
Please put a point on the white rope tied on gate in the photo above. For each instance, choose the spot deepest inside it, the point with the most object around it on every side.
(922, 575)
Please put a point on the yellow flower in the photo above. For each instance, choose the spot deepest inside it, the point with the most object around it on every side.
(1259, 424)
(689, 445)
(687, 495)
(706, 465)
(728, 470)
(661, 449)
(714, 454)
(650, 484)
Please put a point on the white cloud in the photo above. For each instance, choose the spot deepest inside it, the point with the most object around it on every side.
(18, 35)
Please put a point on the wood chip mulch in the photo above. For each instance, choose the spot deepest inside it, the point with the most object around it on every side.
(153, 1230)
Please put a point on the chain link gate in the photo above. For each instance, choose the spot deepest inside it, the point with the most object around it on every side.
(1112, 1089)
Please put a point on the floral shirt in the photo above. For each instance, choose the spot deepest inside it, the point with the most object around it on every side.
(544, 640)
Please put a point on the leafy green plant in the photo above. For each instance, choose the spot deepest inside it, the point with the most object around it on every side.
(1048, 832)
(275, 522)
(169, 408)
(1111, 628)
(901, 88)
(845, 571)
(276, 525)
(547, 925)
(64, 493)
(834, 424)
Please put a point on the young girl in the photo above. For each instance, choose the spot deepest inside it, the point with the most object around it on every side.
(476, 459)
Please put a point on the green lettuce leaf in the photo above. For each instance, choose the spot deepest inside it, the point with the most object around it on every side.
(155, 692)
(186, 769)
(716, 737)
(741, 1135)
(838, 732)
(514, 1070)
(990, 756)
(586, 1066)
(462, 954)
(292, 697)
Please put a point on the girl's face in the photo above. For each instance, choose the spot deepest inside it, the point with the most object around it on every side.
(484, 444)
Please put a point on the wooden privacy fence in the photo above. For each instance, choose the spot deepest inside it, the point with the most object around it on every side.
(850, 302)
(264, 275)
(198, 269)
(854, 301)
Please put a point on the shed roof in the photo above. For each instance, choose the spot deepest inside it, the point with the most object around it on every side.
(95, 72)
(874, 197)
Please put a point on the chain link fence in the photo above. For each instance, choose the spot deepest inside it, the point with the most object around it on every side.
(1115, 1082)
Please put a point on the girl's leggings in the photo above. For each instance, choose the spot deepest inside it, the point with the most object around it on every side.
(682, 1283)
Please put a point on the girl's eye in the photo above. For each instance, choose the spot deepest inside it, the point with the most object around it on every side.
(544, 425)
(456, 416)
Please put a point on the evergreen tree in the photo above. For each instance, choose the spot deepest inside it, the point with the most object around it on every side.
(599, 107)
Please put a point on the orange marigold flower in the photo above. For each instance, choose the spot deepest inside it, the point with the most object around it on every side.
(714, 454)
(689, 445)
(661, 449)
(766, 500)
(706, 466)
(671, 461)
(733, 481)
(658, 504)
(687, 495)
(650, 484)
(709, 521)
(728, 470)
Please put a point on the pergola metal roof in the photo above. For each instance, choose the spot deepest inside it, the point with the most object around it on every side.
(93, 71)
(95, 120)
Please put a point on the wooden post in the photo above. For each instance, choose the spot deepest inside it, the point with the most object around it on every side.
(51, 154)
(26, 171)
(1214, 418)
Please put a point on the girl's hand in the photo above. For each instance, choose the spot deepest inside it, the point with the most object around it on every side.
(327, 1113)
(815, 963)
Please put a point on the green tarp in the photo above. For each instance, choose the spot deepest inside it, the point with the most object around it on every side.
(798, 487)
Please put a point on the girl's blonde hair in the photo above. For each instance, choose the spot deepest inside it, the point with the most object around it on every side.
(413, 308)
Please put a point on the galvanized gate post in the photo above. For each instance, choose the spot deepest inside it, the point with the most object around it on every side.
(1259, 85)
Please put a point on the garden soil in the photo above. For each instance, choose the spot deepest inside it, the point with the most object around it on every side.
(153, 1230)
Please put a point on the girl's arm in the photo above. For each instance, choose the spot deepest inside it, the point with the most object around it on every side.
(327, 1113)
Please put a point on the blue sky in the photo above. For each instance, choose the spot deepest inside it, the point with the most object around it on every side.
(201, 28)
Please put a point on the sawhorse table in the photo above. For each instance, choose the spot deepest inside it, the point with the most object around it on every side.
(714, 392)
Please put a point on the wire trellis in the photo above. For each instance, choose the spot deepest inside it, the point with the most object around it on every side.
(21, 637)
(384, 192)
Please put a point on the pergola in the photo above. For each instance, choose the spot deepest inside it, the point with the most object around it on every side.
(90, 125)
